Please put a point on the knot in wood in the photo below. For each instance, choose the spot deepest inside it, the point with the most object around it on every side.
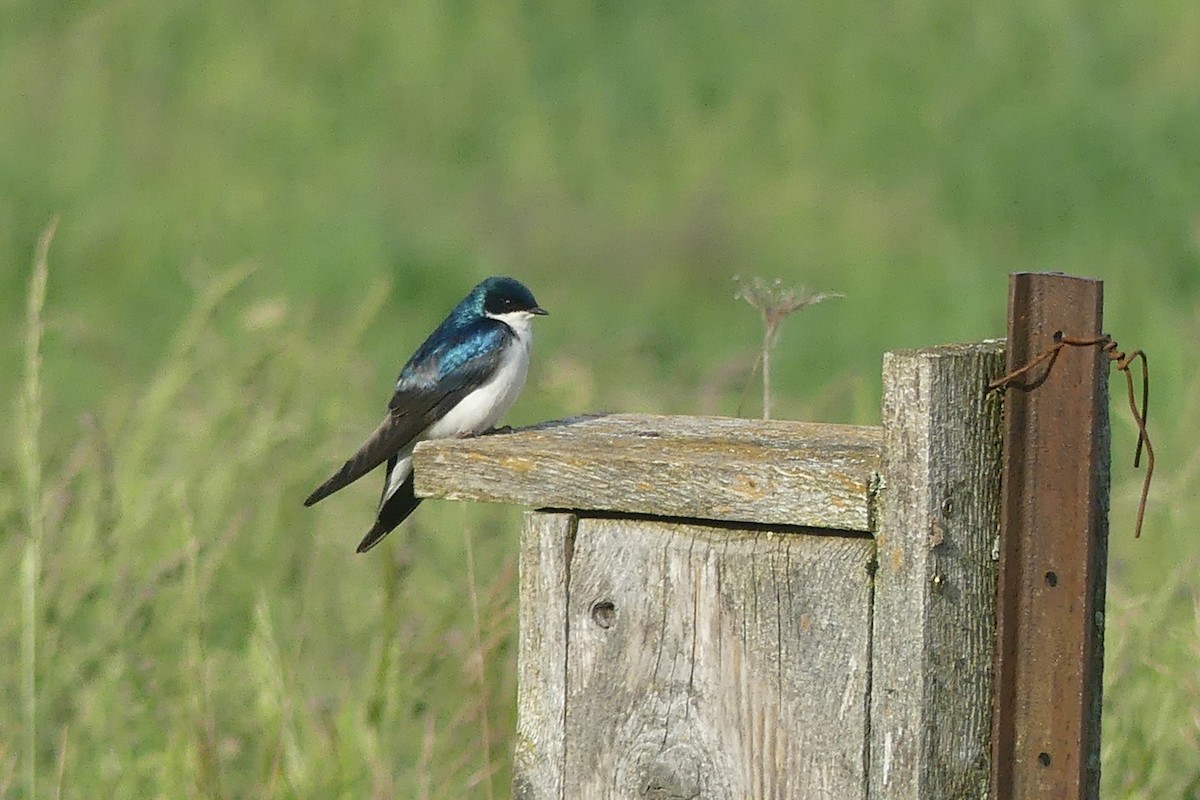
(666, 781)
(604, 613)
(948, 507)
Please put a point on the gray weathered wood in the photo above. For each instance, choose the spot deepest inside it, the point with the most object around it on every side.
(539, 757)
(934, 608)
(715, 663)
(664, 657)
(699, 467)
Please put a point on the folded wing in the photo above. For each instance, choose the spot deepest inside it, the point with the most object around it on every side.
(432, 383)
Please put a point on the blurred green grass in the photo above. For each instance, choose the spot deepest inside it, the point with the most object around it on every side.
(353, 169)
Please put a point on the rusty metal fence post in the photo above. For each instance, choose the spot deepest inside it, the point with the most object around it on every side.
(1053, 547)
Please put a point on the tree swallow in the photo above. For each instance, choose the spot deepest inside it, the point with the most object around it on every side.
(458, 383)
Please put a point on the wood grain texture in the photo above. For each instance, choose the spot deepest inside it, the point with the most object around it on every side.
(934, 609)
(715, 663)
(544, 564)
(736, 470)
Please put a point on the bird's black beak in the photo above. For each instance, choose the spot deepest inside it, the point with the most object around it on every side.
(541, 312)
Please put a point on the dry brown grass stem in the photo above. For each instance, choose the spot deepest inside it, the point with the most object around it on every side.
(774, 304)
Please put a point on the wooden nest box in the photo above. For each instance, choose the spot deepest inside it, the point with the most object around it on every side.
(729, 608)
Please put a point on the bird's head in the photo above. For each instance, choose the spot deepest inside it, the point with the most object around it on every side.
(508, 300)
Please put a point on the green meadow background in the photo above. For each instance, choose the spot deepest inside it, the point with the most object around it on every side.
(264, 207)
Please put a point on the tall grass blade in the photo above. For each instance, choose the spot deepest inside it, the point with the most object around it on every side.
(478, 660)
(29, 436)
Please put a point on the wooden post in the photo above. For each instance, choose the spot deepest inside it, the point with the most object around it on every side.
(938, 518)
(1054, 547)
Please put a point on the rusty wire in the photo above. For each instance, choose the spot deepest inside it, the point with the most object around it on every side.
(1109, 347)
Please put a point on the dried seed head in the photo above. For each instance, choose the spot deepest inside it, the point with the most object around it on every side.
(773, 301)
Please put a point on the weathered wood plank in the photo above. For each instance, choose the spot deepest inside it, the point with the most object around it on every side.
(934, 611)
(545, 561)
(737, 470)
(715, 663)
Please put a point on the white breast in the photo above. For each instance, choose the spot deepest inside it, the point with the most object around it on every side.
(482, 409)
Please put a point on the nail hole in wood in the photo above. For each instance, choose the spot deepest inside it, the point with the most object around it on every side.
(1044, 759)
(1052, 579)
(604, 613)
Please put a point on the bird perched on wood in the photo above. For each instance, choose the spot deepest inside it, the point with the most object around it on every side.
(459, 382)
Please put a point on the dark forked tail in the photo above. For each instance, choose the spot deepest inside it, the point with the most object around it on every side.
(393, 511)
